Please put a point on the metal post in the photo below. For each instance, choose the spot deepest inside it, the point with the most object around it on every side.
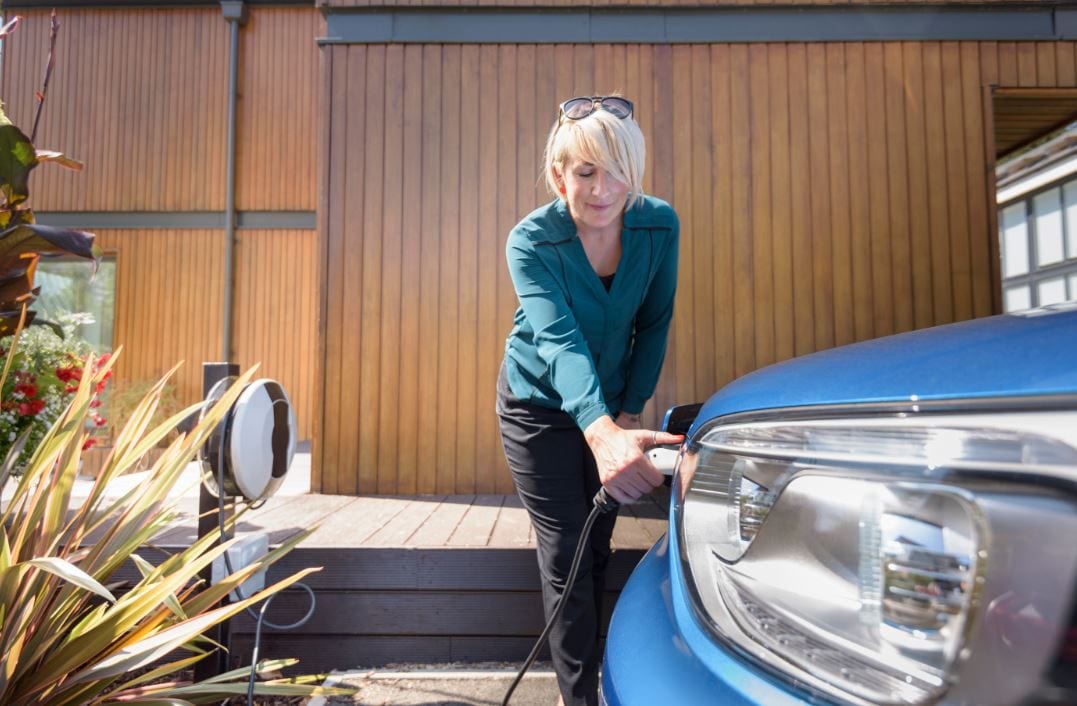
(235, 13)
(208, 523)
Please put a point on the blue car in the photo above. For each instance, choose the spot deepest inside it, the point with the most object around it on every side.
(890, 522)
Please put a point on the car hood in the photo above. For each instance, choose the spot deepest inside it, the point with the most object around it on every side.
(1032, 353)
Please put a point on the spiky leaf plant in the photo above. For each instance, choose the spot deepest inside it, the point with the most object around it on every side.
(66, 637)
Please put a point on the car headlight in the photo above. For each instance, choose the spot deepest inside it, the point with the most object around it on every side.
(862, 558)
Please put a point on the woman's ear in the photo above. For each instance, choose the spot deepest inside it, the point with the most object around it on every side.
(559, 179)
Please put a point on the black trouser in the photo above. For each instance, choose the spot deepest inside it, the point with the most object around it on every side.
(556, 479)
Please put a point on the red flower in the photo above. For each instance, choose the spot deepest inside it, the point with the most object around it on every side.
(31, 408)
(88, 444)
(69, 374)
(27, 389)
(95, 403)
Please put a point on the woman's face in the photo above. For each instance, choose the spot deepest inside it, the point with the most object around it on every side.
(595, 199)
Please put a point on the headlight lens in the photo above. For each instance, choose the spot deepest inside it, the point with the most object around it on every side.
(855, 552)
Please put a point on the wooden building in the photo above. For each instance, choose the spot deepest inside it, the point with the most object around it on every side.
(831, 162)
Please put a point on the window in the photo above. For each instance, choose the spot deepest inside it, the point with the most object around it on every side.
(1038, 243)
(68, 286)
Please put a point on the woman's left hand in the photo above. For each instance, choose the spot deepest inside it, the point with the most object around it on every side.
(620, 455)
(628, 421)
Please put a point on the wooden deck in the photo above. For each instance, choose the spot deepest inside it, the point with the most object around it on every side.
(429, 578)
(425, 521)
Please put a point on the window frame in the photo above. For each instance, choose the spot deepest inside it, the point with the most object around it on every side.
(1066, 269)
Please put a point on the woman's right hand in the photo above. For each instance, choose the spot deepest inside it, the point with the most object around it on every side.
(621, 455)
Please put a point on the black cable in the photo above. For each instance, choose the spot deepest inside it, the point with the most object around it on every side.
(258, 617)
(603, 504)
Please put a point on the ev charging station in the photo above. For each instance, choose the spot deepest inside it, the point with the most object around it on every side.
(245, 459)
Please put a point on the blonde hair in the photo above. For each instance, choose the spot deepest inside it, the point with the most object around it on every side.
(614, 144)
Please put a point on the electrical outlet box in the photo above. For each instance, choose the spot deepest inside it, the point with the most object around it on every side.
(244, 552)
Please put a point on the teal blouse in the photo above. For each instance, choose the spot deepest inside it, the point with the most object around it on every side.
(574, 346)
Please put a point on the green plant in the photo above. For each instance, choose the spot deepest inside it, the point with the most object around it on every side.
(65, 638)
(41, 381)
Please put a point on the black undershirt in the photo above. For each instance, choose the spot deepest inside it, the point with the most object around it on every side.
(607, 281)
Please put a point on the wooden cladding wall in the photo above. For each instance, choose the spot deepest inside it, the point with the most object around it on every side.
(278, 121)
(169, 289)
(140, 96)
(828, 193)
(276, 312)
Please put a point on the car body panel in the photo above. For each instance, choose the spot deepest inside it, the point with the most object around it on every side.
(677, 663)
(1029, 354)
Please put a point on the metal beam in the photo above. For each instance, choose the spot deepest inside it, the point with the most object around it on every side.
(1020, 21)
(178, 220)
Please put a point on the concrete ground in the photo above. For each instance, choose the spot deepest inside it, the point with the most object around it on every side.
(443, 685)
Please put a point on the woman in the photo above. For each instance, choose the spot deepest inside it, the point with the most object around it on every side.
(595, 272)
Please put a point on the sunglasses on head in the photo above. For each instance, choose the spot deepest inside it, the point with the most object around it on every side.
(581, 107)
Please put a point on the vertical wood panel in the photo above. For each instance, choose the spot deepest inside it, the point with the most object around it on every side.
(1067, 75)
(391, 234)
(331, 421)
(819, 154)
(371, 348)
(919, 224)
(277, 119)
(782, 214)
(429, 270)
(840, 213)
(723, 266)
(938, 205)
(449, 424)
(743, 245)
(978, 199)
(351, 414)
(804, 337)
(489, 330)
(409, 283)
(898, 182)
(957, 181)
(827, 193)
(879, 189)
(682, 362)
(154, 141)
(467, 468)
(859, 210)
(761, 207)
(275, 314)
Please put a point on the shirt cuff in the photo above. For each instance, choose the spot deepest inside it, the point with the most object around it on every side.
(589, 414)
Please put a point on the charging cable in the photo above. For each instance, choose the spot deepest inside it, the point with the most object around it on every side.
(259, 617)
(603, 504)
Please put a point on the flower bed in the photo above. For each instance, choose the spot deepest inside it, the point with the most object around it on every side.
(45, 373)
